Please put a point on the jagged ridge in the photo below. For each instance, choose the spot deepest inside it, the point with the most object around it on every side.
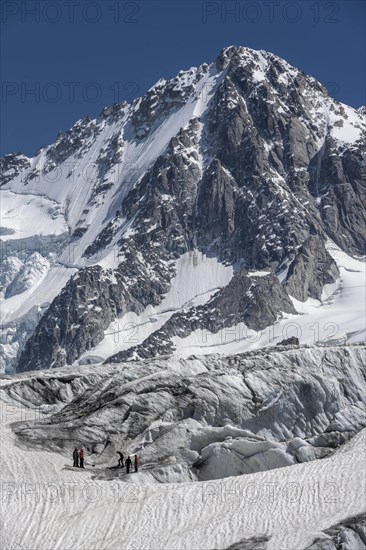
(242, 160)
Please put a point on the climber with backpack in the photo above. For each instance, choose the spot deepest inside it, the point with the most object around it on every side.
(81, 458)
(75, 456)
(120, 460)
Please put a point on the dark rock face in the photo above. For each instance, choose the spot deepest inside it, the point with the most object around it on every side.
(253, 543)
(11, 166)
(347, 534)
(163, 203)
(75, 319)
(312, 268)
(256, 301)
(292, 341)
(163, 99)
(256, 177)
(77, 141)
(78, 316)
(340, 181)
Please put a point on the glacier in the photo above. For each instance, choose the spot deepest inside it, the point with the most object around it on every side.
(265, 448)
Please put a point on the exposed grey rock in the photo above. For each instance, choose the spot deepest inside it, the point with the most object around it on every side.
(256, 301)
(312, 268)
(11, 166)
(258, 179)
(78, 316)
(349, 534)
(254, 543)
(76, 142)
(338, 177)
(292, 341)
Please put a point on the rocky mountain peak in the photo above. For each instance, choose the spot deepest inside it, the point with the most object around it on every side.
(244, 162)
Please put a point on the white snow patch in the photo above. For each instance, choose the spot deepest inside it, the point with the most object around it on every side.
(28, 215)
(41, 293)
(347, 128)
(258, 273)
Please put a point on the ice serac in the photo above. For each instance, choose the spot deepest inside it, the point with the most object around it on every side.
(246, 160)
(200, 418)
(28, 275)
(256, 451)
(348, 535)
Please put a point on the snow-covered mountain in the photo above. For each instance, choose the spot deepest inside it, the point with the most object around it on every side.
(222, 211)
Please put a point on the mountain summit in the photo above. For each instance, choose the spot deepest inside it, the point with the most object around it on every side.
(227, 200)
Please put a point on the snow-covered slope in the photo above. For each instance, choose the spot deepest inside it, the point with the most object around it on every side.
(198, 277)
(228, 421)
(339, 317)
(246, 162)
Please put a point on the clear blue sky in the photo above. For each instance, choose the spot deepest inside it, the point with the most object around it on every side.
(78, 56)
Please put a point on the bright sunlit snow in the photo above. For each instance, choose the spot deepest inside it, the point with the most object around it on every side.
(340, 317)
(26, 215)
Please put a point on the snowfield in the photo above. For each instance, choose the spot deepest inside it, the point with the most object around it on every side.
(27, 214)
(46, 503)
(338, 318)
